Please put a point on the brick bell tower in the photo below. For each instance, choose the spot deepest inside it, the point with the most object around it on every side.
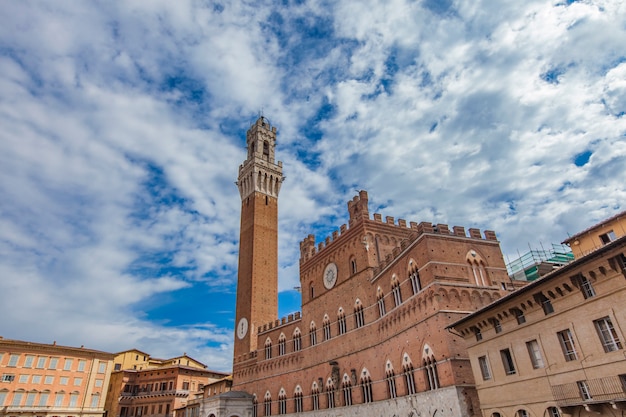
(259, 182)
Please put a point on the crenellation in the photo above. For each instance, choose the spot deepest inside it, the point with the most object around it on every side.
(413, 225)
(343, 228)
(389, 220)
(378, 217)
(425, 227)
(327, 241)
(490, 235)
(443, 229)
(335, 235)
(459, 231)
(401, 222)
(474, 233)
(320, 246)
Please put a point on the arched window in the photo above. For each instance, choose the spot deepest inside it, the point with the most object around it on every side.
(477, 266)
(326, 326)
(282, 341)
(553, 412)
(414, 276)
(266, 148)
(255, 406)
(297, 399)
(312, 290)
(381, 302)
(409, 378)
(341, 321)
(313, 333)
(521, 413)
(268, 403)
(268, 348)
(346, 387)
(330, 393)
(353, 266)
(366, 386)
(359, 318)
(315, 396)
(432, 377)
(282, 402)
(395, 290)
(297, 340)
(391, 380)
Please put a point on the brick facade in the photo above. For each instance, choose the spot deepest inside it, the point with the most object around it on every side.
(376, 299)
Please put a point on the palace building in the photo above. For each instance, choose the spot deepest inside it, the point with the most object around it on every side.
(377, 297)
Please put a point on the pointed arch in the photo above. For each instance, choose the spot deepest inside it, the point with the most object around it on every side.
(346, 388)
(366, 386)
(297, 399)
(359, 316)
(341, 321)
(297, 339)
(330, 393)
(315, 396)
(380, 299)
(326, 327)
(395, 290)
(313, 333)
(282, 342)
(268, 348)
(430, 368)
(414, 276)
(390, 376)
(408, 373)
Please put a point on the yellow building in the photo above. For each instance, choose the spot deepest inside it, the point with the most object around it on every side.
(51, 380)
(598, 235)
(556, 346)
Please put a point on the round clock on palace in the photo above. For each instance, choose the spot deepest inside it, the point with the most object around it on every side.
(242, 328)
(330, 275)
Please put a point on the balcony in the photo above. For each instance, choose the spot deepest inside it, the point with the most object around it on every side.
(591, 394)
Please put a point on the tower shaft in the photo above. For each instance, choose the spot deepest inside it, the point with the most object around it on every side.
(259, 183)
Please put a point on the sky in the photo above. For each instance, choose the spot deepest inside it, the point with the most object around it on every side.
(122, 127)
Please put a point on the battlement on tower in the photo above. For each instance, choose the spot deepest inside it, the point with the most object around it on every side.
(358, 211)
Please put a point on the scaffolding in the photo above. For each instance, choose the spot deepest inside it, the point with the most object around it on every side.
(536, 263)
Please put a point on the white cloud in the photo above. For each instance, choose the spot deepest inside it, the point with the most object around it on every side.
(123, 127)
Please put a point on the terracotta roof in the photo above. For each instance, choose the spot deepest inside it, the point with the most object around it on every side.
(595, 226)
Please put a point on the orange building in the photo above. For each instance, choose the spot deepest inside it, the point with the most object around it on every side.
(146, 386)
(52, 380)
(376, 298)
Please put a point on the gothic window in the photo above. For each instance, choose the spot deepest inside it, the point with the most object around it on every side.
(395, 290)
(297, 399)
(282, 402)
(414, 276)
(477, 266)
(326, 325)
(282, 341)
(341, 321)
(381, 302)
(430, 365)
(268, 403)
(268, 348)
(346, 387)
(313, 334)
(315, 396)
(409, 378)
(359, 319)
(297, 340)
(330, 393)
(391, 380)
(366, 386)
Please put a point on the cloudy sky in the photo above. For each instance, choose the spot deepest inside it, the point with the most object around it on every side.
(123, 125)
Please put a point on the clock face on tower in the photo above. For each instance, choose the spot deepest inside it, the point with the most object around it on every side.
(330, 275)
(242, 328)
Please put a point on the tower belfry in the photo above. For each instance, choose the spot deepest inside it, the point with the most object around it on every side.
(259, 181)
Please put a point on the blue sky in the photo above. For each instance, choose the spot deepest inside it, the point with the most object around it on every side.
(123, 126)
